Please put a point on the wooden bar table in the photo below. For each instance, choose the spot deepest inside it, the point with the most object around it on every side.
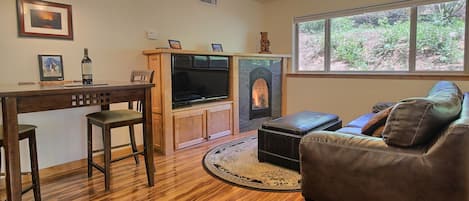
(35, 97)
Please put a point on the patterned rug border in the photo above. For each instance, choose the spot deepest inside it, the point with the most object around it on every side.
(238, 182)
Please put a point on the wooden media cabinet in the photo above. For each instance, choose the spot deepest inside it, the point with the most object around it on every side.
(179, 128)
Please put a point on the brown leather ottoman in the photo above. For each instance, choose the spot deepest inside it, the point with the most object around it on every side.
(278, 139)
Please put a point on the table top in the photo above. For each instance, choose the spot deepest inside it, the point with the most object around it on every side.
(31, 89)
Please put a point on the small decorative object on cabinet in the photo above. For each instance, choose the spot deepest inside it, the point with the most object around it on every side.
(44, 19)
(51, 67)
(175, 44)
(216, 47)
(265, 44)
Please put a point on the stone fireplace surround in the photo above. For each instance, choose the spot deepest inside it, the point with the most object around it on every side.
(249, 71)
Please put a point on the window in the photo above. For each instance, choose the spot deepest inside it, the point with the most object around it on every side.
(376, 41)
(440, 37)
(311, 45)
(396, 37)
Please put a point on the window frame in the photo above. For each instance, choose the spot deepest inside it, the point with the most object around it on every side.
(413, 15)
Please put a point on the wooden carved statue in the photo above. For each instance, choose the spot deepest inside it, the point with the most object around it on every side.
(265, 44)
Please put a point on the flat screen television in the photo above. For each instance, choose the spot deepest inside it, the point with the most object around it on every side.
(199, 78)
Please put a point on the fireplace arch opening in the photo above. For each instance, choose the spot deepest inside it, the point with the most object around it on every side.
(260, 93)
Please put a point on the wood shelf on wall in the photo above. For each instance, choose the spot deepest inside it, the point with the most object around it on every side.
(179, 128)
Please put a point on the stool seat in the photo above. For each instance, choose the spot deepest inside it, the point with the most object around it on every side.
(114, 116)
(22, 129)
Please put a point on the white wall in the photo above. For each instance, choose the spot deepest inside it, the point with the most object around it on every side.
(346, 97)
(114, 31)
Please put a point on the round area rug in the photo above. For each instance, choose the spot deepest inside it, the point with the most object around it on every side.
(236, 162)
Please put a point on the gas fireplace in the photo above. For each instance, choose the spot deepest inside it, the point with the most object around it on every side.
(261, 79)
(259, 92)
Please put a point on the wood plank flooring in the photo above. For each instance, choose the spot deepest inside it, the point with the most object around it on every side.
(180, 176)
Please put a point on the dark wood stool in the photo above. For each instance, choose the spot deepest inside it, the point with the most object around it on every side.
(28, 132)
(114, 119)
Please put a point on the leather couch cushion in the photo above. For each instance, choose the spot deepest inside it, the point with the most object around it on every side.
(350, 130)
(360, 121)
(378, 120)
(414, 121)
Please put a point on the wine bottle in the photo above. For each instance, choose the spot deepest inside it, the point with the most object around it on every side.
(86, 69)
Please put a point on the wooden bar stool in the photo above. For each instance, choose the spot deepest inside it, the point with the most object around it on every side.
(114, 119)
(28, 132)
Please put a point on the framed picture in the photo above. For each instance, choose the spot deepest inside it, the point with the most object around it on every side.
(174, 44)
(217, 47)
(51, 67)
(44, 19)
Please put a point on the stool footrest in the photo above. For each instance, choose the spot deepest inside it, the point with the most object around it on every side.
(127, 156)
(25, 190)
(114, 147)
(98, 167)
(101, 168)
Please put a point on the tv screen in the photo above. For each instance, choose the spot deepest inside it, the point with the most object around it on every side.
(197, 80)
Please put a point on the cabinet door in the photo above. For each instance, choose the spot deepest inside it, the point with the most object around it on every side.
(219, 121)
(157, 132)
(189, 128)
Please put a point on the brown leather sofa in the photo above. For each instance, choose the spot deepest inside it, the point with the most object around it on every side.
(423, 155)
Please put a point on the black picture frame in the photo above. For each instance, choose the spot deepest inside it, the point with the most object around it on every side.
(51, 67)
(175, 44)
(32, 22)
(217, 47)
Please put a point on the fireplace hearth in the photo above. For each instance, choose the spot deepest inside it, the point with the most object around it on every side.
(259, 92)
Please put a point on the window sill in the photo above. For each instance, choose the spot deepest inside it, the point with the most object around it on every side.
(391, 76)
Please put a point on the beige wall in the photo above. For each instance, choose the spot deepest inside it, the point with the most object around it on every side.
(350, 98)
(114, 32)
(279, 16)
(346, 97)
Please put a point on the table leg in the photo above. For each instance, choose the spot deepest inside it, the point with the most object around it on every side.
(148, 137)
(12, 151)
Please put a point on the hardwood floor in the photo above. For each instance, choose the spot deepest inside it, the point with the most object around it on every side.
(180, 176)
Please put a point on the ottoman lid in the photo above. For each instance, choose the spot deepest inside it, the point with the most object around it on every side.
(300, 123)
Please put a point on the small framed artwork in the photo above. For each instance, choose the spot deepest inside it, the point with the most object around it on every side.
(44, 19)
(175, 44)
(51, 67)
(216, 47)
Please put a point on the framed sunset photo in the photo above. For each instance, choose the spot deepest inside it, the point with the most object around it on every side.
(44, 19)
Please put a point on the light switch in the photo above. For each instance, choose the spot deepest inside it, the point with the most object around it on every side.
(152, 35)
